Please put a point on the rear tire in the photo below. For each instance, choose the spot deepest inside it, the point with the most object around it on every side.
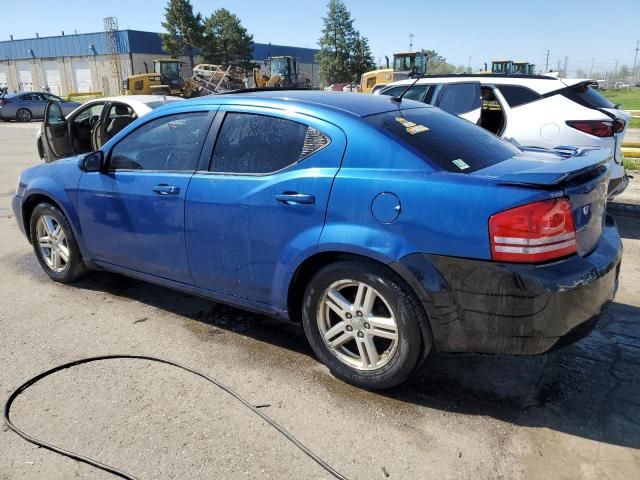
(364, 324)
(55, 245)
(23, 115)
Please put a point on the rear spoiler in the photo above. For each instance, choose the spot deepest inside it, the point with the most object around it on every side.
(577, 162)
(581, 100)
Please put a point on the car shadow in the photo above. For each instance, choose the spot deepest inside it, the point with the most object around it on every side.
(629, 225)
(590, 389)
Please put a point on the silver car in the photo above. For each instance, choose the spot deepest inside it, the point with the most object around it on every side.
(25, 106)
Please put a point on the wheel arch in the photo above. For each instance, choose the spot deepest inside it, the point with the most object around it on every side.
(36, 198)
(314, 263)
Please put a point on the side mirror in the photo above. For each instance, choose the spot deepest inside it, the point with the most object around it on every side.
(93, 162)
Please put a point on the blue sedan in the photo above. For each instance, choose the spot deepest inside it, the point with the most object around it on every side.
(386, 227)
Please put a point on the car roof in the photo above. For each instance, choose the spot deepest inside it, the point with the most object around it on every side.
(356, 104)
(540, 83)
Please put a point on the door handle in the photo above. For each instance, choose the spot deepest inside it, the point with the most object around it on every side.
(164, 189)
(295, 198)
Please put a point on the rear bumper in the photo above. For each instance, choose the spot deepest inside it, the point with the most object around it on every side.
(617, 186)
(486, 307)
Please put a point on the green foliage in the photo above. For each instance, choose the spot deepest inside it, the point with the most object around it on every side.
(344, 54)
(184, 29)
(361, 59)
(437, 64)
(226, 41)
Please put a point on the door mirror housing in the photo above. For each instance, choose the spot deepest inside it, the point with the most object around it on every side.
(93, 162)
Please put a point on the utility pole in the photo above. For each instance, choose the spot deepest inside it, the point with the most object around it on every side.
(411, 35)
(546, 66)
(469, 66)
(566, 66)
(635, 59)
(593, 59)
(615, 72)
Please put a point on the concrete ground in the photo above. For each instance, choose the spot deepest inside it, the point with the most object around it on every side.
(571, 414)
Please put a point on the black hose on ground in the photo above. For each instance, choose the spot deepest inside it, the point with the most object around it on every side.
(120, 473)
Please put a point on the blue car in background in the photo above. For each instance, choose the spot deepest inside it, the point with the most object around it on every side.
(387, 227)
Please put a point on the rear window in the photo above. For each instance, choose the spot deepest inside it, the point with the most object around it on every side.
(159, 103)
(587, 93)
(447, 141)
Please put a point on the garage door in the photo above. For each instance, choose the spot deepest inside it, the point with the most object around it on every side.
(52, 77)
(81, 76)
(3, 77)
(25, 82)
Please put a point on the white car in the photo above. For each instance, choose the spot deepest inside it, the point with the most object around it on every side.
(92, 124)
(530, 111)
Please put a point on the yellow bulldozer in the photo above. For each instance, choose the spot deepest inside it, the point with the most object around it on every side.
(405, 65)
(164, 80)
(284, 72)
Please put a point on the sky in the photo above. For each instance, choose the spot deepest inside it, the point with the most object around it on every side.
(483, 30)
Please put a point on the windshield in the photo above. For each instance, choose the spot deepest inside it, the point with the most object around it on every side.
(448, 142)
(279, 66)
(169, 69)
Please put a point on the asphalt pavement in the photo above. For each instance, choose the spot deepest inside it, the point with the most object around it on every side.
(571, 414)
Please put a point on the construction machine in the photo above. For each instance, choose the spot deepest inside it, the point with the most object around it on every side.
(509, 67)
(283, 72)
(164, 80)
(405, 65)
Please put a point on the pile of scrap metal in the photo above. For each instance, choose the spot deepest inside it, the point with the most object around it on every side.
(210, 79)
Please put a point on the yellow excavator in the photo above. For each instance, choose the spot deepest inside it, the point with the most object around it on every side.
(405, 65)
(284, 72)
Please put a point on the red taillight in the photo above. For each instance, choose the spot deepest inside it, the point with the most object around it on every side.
(2, 101)
(532, 233)
(618, 125)
(598, 128)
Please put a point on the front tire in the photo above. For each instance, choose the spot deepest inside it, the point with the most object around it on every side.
(364, 324)
(24, 115)
(54, 244)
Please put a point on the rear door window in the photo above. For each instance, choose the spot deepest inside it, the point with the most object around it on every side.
(515, 95)
(261, 144)
(449, 142)
(458, 98)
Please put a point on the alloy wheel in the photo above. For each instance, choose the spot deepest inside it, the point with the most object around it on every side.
(23, 115)
(52, 242)
(357, 325)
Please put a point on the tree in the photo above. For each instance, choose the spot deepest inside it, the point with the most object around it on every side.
(336, 42)
(226, 41)
(361, 59)
(581, 73)
(184, 29)
(436, 63)
(624, 72)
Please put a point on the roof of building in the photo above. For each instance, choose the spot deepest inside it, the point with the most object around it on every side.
(128, 41)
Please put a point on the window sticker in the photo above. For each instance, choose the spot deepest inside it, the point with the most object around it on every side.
(461, 164)
(412, 128)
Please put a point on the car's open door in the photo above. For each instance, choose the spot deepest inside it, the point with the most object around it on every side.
(56, 132)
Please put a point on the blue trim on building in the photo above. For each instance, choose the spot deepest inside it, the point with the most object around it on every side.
(131, 41)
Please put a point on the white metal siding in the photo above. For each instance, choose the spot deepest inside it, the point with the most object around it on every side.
(25, 81)
(81, 75)
(3, 77)
(52, 77)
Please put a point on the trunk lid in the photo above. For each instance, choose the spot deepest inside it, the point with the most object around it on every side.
(580, 174)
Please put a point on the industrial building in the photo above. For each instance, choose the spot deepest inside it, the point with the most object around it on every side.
(97, 62)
